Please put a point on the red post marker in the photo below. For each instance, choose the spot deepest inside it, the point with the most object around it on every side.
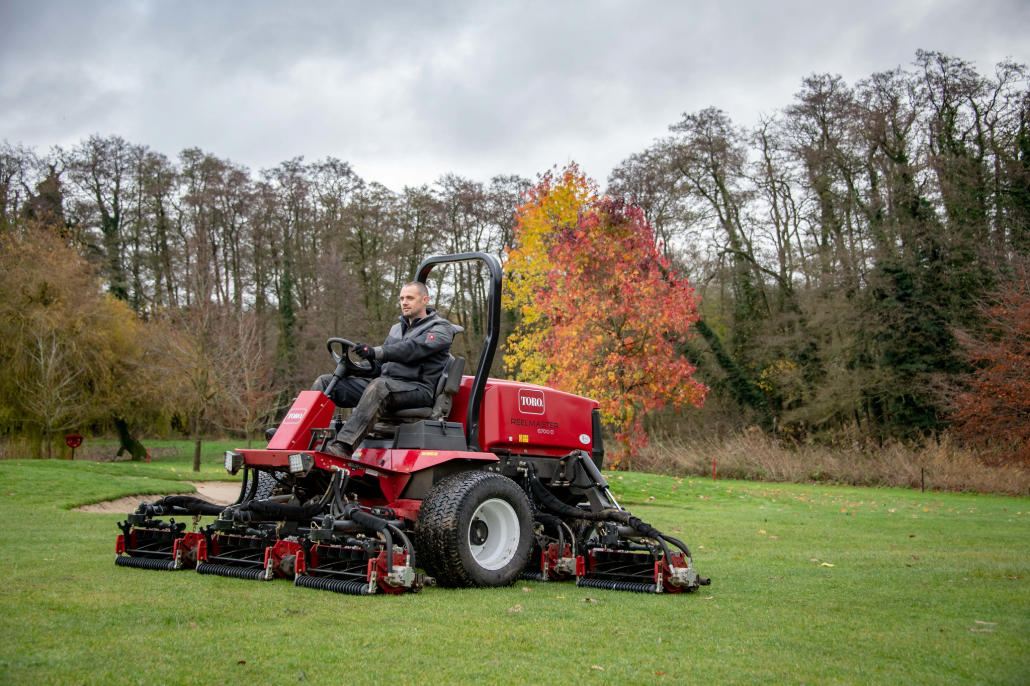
(148, 455)
(73, 441)
(713, 469)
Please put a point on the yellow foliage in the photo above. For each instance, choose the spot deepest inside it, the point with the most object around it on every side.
(73, 352)
(552, 206)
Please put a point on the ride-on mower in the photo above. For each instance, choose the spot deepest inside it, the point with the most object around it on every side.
(495, 482)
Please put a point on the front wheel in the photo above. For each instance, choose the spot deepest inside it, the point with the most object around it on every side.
(474, 529)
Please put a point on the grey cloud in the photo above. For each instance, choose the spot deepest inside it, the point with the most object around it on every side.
(408, 91)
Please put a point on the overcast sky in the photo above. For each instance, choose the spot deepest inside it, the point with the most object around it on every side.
(413, 90)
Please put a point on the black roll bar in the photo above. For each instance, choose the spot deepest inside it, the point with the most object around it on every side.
(493, 329)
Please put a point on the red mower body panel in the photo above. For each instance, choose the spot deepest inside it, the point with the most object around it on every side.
(311, 410)
(528, 419)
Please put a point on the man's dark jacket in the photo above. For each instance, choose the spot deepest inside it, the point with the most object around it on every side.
(419, 351)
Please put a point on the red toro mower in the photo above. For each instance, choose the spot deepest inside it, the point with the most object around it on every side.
(495, 482)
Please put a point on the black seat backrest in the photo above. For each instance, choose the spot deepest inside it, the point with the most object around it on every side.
(447, 387)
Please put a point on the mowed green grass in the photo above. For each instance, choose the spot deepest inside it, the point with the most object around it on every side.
(923, 588)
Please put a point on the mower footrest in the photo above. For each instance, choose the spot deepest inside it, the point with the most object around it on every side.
(334, 585)
(160, 564)
(617, 585)
(230, 571)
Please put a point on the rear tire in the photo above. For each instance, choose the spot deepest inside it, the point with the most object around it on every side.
(474, 529)
(265, 485)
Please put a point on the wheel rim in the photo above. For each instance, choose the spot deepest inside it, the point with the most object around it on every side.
(500, 539)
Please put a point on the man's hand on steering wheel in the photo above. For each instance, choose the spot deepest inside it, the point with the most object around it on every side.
(364, 351)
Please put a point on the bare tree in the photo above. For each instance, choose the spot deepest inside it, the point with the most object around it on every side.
(52, 399)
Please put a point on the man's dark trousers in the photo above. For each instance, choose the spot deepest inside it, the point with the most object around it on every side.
(370, 398)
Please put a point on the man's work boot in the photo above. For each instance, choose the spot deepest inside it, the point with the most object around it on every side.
(340, 449)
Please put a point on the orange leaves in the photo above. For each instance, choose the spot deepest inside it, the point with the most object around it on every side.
(605, 308)
(996, 408)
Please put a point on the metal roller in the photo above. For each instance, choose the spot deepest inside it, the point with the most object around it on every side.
(334, 585)
(617, 585)
(534, 576)
(159, 564)
(234, 572)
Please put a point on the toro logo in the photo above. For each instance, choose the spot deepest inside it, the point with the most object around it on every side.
(531, 402)
(294, 416)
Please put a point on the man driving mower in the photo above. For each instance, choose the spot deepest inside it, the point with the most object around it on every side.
(405, 369)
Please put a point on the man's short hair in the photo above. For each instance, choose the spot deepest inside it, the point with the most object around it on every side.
(417, 285)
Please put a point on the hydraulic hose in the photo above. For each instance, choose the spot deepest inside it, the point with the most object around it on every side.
(192, 505)
(556, 522)
(244, 487)
(293, 513)
(681, 545)
(407, 544)
(354, 512)
(549, 501)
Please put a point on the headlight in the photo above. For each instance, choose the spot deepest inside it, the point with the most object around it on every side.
(233, 461)
(301, 463)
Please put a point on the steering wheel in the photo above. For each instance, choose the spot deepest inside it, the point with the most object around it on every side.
(345, 366)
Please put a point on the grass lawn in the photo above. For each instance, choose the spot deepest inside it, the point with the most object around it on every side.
(811, 584)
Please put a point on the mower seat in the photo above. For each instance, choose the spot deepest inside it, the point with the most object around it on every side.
(446, 388)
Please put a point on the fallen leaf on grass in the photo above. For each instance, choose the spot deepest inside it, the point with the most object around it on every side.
(588, 600)
(987, 623)
(560, 597)
(813, 559)
(527, 589)
(192, 624)
(517, 608)
(774, 537)
(776, 577)
(761, 531)
(711, 597)
(600, 669)
(657, 673)
(241, 662)
(981, 631)
(827, 564)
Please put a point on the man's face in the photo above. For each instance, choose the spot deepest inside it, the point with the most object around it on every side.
(413, 304)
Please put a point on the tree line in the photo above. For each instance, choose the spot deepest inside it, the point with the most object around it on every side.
(843, 248)
(843, 243)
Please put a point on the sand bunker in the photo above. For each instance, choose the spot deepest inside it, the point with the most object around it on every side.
(217, 492)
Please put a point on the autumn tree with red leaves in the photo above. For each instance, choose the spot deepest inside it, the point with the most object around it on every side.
(995, 410)
(609, 312)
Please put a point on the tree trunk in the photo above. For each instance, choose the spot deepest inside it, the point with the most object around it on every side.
(128, 444)
(195, 427)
